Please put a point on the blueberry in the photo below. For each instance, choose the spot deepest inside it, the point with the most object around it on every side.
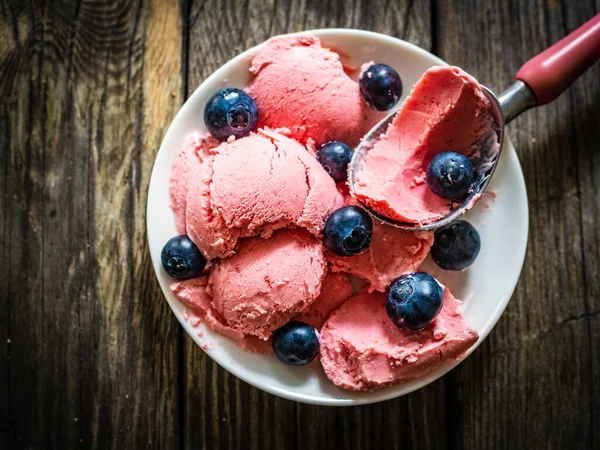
(450, 175)
(348, 231)
(334, 157)
(380, 86)
(181, 258)
(230, 112)
(456, 246)
(296, 343)
(414, 300)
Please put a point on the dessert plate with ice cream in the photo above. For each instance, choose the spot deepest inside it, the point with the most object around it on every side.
(278, 273)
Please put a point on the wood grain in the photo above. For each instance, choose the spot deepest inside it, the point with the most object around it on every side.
(90, 355)
(87, 94)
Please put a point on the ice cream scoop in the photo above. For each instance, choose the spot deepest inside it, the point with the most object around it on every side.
(303, 86)
(538, 82)
(447, 112)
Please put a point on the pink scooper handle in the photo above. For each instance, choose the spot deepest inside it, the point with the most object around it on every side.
(552, 71)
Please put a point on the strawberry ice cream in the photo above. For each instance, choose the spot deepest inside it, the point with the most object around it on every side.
(186, 168)
(193, 294)
(268, 281)
(301, 85)
(446, 111)
(393, 252)
(363, 350)
(336, 289)
(248, 187)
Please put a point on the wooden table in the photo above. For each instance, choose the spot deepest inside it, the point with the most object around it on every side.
(91, 355)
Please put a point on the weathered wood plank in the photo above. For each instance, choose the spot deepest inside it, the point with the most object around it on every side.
(23, 231)
(414, 421)
(221, 411)
(530, 384)
(12, 39)
(584, 124)
(93, 352)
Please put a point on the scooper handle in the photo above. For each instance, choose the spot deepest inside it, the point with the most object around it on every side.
(552, 71)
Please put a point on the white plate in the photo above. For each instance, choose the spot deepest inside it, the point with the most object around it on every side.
(485, 288)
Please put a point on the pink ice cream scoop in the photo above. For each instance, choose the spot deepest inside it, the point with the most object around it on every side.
(361, 349)
(194, 295)
(267, 281)
(248, 187)
(303, 86)
(335, 290)
(446, 111)
(393, 252)
(188, 167)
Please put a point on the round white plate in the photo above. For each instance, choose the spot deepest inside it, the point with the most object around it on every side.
(485, 288)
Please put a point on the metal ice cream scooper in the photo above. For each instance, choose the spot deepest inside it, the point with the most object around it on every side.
(538, 82)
